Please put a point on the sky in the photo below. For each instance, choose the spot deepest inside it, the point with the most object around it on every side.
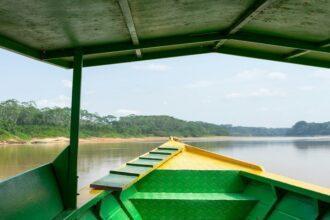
(215, 88)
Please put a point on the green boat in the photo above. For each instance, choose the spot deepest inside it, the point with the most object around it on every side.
(175, 180)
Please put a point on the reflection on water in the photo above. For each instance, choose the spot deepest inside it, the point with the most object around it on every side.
(95, 160)
(307, 160)
(312, 144)
(17, 158)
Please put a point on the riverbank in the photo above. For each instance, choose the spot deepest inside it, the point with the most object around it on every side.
(310, 155)
(64, 140)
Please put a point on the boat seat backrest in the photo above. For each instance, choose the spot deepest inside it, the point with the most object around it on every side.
(31, 195)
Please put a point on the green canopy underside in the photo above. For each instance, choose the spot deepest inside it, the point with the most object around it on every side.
(117, 31)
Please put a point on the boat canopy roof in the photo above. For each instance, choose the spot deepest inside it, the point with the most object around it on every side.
(118, 31)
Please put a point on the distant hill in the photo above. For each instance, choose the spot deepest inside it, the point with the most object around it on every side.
(23, 120)
(162, 125)
(303, 128)
(256, 131)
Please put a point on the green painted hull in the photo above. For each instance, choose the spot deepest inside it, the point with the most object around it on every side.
(74, 34)
(138, 191)
(195, 194)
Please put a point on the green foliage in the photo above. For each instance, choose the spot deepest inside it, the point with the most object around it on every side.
(256, 131)
(23, 120)
(5, 135)
(165, 126)
(303, 128)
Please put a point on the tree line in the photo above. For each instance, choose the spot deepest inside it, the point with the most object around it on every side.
(24, 120)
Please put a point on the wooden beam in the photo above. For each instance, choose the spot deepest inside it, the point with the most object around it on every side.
(201, 50)
(19, 48)
(147, 56)
(278, 41)
(301, 52)
(118, 47)
(245, 18)
(296, 53)
(181, 40)
(24, 50)
(270, 56)
(325, 44)
(126, 11)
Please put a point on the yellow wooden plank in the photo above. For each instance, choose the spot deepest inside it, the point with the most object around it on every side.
(85, 194)
(192, 158)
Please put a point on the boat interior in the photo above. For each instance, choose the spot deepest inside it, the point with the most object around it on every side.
(175, 180)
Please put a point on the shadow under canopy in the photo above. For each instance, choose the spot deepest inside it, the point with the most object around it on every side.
(77, 34)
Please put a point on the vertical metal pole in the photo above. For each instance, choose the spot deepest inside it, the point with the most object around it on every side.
(74, 129)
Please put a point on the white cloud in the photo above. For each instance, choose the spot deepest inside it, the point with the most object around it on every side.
(155, 67)
(306, 88)
(67, 83)
(60, 101)
(277, 75)
(263, 109)
(262, 92)
(125, 112)
(234, 95)
(200, 84)
(321, 74)
(266, 92)
(261, 74)
(208, 99)
(90, 92)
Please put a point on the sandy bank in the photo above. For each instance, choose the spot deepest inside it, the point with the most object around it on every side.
(64, 140)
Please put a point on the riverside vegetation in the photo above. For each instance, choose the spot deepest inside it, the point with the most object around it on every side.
(23, 121)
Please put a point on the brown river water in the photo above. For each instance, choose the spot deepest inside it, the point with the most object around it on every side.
(306, 159)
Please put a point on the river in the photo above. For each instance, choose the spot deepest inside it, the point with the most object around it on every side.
(306, 159)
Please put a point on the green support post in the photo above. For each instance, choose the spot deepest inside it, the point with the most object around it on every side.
(74, 130)
(65, 165)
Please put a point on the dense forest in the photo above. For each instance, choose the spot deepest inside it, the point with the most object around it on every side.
(303, 128)
(256, 131)
(23, 120)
